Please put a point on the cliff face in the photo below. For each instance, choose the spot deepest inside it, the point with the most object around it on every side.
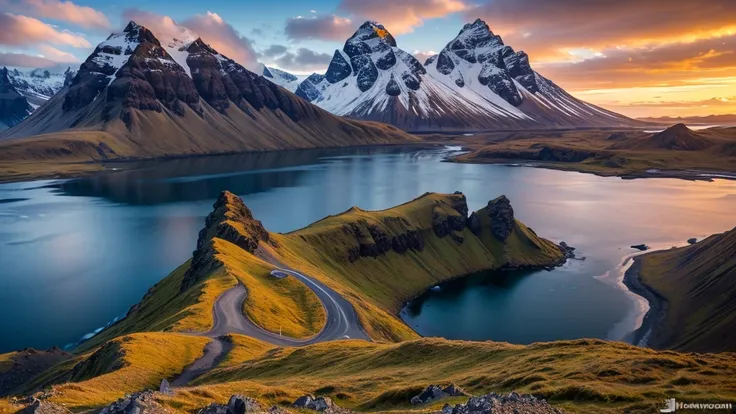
(231, 221)
(411, 226)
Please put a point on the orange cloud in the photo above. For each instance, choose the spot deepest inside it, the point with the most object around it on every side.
(211, 27)
(22, 30)
(401, 17)
(67, 11)
(223, 37)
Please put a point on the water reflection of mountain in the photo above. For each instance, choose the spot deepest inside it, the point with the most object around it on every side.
(203, 178)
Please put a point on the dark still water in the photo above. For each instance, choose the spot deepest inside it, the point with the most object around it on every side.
(76, 254)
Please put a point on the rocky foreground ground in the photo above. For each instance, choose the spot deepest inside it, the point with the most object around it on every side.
(146, 402)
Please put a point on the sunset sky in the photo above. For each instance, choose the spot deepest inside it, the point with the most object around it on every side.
(640, 58)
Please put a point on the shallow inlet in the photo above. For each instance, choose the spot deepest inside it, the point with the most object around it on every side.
(76, 254)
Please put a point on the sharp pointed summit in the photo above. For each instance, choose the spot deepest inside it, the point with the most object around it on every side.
(475, 82)
(183, 96)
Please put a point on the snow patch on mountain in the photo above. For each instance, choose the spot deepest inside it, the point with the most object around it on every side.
(39, 85)
(177, 47)
(282, 78)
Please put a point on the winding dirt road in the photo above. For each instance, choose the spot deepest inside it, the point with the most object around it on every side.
(342, 323)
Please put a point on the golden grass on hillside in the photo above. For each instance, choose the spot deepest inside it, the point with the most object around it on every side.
(7, 407)
(125, 365)
(244, 349)
(580, 376)
(166, 308)
(277, 305)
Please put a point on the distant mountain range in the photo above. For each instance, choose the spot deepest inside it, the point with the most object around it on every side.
(23, 91)
(475, 83)
(726, 120)
(139, 96)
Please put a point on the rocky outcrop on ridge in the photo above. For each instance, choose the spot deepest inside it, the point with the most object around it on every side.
(232, 221)
(502, 217)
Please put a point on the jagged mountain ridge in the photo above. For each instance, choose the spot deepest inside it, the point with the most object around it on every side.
(39, 85)
(181, 96)
(371, 78)
(24, 91)
(475, 82)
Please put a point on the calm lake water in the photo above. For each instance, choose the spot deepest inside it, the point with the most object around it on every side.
(75, 254)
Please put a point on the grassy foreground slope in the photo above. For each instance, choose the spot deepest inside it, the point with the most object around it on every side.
(699, 285)
(123, 365)
(580, 376)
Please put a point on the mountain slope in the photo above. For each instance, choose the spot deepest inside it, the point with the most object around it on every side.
(137, 97)
(697, 282)
(479, 61)
(14, 107)
(476, 82)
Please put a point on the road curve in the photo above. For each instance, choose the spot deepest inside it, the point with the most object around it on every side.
(342, 321)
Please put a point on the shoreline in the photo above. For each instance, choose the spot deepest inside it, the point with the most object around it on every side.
(102, 167)
(658, 306)
(685, 174)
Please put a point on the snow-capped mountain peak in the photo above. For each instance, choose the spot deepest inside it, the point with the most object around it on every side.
(372, 78)
(475, 82)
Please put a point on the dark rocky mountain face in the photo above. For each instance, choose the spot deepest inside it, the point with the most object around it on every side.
(311, 88)
(150, 79)
(477, 44)
(137, 72)
(339, 68)
(369, 50)
(14, 108)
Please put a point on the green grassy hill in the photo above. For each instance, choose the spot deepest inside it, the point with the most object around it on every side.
(699, 285)
(377, 260)
(380, 259)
